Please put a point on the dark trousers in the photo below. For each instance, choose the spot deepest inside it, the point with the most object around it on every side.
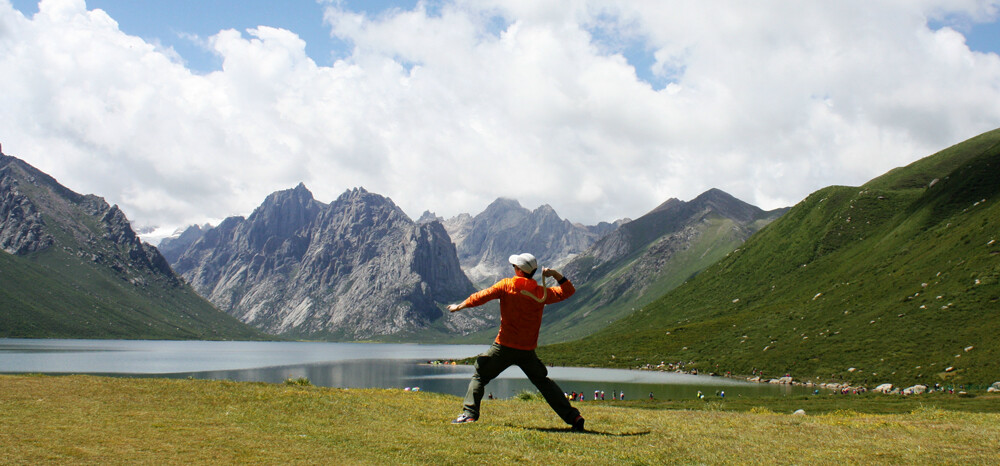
(491, 363)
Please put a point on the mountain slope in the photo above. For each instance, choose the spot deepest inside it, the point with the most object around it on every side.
(72, 267)
(357, 268)
(647, 257)
(894, 281)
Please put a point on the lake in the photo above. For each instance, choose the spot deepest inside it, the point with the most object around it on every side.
(345, 365)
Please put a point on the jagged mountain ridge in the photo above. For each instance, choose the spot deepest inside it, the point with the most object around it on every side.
(484, 242)
(356, 268)
(74, 268)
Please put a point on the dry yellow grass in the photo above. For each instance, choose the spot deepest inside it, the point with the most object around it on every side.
(84, 419)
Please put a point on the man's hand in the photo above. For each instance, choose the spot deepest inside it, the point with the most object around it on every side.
(455, 307)
(552, 273)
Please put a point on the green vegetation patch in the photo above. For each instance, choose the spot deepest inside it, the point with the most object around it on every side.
(896, 281)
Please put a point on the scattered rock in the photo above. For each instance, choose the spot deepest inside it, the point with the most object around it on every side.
(915, 390)
(800, 412)
(884, 388)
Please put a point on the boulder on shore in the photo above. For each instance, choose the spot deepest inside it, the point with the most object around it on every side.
(915, 390)
(995, 387)
(884, 388)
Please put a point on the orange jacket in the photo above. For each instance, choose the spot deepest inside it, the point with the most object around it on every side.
(520, 316)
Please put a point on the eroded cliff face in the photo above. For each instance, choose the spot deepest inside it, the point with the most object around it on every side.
(356, 268)
(22, 229)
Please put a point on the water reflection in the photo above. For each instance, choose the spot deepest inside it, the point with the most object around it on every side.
(346, 365)
(454, 380)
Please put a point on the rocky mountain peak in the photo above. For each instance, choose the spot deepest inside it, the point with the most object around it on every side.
(485, 241)
(428, 217)
(727, 205)
(545, 210)
(173, 246)
(355, 268)
(668, 218)
(503, 203)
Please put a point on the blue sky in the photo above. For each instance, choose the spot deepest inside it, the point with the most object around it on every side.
(601, 109)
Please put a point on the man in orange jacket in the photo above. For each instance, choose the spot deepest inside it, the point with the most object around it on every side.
(521, 304)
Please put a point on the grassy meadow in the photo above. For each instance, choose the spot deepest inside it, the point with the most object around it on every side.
(88, 419)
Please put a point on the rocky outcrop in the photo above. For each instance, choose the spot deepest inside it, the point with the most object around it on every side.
(915, 390)
(356, 268)
(883, 388)
(484, 242)
(22, 229)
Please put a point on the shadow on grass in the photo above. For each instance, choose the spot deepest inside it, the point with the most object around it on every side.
(569, 430)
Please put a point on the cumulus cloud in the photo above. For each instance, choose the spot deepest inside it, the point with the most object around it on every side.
(448, 106)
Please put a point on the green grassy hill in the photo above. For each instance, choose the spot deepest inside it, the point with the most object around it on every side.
(894, 281)
(55, 295)
(648, 257)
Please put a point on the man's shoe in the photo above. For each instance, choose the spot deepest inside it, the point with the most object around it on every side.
(578, 424)
(464, 419)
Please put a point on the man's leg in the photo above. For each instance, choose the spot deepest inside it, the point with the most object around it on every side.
(488, 366)
(539, 376)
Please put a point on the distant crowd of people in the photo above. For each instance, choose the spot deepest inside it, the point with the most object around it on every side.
(598, 396)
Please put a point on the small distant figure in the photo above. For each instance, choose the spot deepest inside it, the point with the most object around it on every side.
(491, 396)
(650, 396)
(621, 396)
(722, 394)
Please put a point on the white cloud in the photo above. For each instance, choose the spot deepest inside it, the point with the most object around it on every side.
(448, 109)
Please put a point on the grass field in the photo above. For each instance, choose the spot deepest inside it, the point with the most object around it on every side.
(86, 419)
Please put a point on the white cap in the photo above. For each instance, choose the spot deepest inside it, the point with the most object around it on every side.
(526, 262)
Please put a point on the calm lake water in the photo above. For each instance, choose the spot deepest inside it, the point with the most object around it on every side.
(344, 365)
